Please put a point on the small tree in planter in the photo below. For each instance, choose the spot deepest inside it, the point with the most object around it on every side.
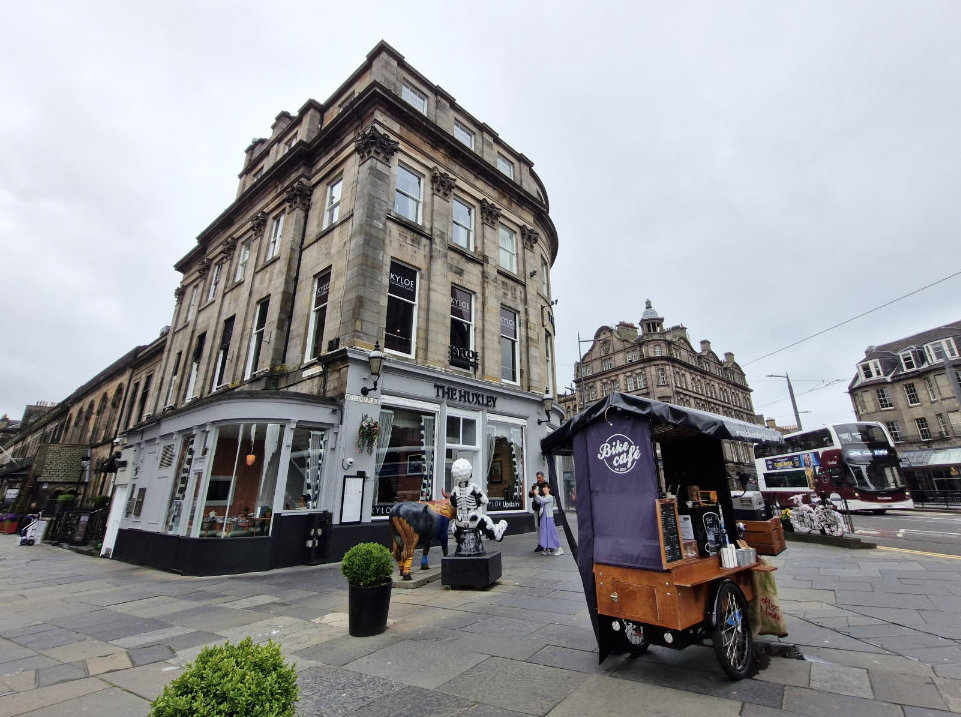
(230, 681)
(369, 569)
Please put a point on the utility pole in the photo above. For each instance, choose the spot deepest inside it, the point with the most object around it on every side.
(790, 390)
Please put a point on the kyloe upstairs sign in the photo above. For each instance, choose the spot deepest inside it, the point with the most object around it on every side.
(463, 395)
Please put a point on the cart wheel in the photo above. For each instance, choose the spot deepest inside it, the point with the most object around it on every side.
(733, 643)
(633, 636)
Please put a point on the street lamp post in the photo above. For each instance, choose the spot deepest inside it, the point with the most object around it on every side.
(790, 390)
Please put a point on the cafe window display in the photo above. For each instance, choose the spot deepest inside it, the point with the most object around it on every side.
(461, 438)
(237, 498)
(404, 457)
(505, 466)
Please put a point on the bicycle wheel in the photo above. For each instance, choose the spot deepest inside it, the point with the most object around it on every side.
(731, 635)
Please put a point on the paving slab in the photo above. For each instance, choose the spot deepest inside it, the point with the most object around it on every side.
(831, 704)
(61, 672)
(109, 702)
(853, 681)
(21, 703)
(950, 691)
(146, 681)
(410, 662)
(603, 696)
(907, 689)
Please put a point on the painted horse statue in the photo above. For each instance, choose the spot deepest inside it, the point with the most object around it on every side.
(418, 525)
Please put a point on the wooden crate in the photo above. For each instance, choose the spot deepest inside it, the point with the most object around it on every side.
(675, 598)
(765, 536)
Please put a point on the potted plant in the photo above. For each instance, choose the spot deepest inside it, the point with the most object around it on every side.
(369, 570)
(241, 679)
(367, 434)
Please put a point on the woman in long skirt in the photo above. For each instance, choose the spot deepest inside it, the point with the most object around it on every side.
(549, 539)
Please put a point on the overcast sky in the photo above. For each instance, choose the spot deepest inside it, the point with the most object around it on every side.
(760, 170)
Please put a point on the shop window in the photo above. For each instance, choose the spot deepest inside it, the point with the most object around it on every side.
(461, 442)
(404, 467)
(461, 351)
(505, 466)
(305, 468)
(237, 500)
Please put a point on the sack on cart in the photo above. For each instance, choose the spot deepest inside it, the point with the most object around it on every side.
(765, 608)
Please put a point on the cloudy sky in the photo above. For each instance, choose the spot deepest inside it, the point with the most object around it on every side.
(761, 171)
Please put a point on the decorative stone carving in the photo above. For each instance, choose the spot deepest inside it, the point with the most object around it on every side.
(490, 213)
(179, 294)
(530, 237)
(442, 183)
(204, 268)
(257, 223)
(298, 195)
(229, 244)
(374, 143)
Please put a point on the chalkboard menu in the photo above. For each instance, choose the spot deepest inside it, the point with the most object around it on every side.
(669, 530)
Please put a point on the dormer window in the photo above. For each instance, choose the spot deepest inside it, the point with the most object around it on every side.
(911, 359)
(870, 369)
(414, 97)
(939, 350)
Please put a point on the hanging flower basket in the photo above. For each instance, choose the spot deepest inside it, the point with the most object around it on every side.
(367, 434)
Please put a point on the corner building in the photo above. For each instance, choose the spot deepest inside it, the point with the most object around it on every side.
(385, 218)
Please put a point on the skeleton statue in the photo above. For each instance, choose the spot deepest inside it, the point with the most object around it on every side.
(471, 518)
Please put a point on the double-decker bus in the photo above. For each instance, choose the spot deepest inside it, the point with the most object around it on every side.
(855, 464)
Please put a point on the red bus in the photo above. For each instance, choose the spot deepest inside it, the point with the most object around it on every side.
(855, 464)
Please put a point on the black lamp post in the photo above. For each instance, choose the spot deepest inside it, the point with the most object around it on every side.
(376, 361)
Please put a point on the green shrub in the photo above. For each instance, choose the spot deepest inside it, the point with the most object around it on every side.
(101, 501)
(232, 681)
(66, 498)
(368, 564)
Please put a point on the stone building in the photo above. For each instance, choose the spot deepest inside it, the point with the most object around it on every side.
(662, 364)
(387, 222)
(911, 386)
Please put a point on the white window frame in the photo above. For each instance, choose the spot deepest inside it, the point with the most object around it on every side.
(463, 134)
(215, 275)
(908, 360)
(223, 352)
(911, 394)
(257, 333)
(945, 346)
(243, 256)
(192, 305)
(894, 428)
(661, 376)
(943, 431)
(309, 354)
(870, 369)
(884, 398)
(505, 166)
(933, 392)
(199, 345)
(459, 229)
(545, 278)
(414, 97)
(630, 382)
(924, 430)
(172, 385)
(417, 200)
(607, 364)
(332, 206)
(507, 243)
(276, 231)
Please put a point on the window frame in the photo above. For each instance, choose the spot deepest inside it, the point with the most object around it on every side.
(870, 369)
(220, 366)
(884, 398)
(511, 343)
(315, 344)
(276, 232)
(911, 394)
(460, 128)
(457, 316)
(510, 252)
(332, 204)
(243, 256)
(417, 201)
(215, 275)
(414, 97)
(894, 429)
(505, 166)
(466, 230)
(924, 430)
(400, 298)
(258, 331)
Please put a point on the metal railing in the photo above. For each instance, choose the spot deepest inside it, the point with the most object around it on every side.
(77, 526)
(936, 498)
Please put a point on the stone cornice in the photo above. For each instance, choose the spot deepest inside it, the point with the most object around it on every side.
(374, 143)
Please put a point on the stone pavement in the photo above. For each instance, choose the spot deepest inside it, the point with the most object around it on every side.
(879, 630)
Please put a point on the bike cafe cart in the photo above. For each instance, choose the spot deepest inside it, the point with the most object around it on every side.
(644, 583)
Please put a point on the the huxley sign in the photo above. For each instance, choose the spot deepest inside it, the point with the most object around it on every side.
(463, 395)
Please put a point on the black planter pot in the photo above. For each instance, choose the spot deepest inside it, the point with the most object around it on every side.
(367, 609)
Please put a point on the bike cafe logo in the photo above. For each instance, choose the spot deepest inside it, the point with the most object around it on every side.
(619, 453)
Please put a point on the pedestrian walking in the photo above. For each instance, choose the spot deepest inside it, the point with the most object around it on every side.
(533, 494)
(549, 540)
